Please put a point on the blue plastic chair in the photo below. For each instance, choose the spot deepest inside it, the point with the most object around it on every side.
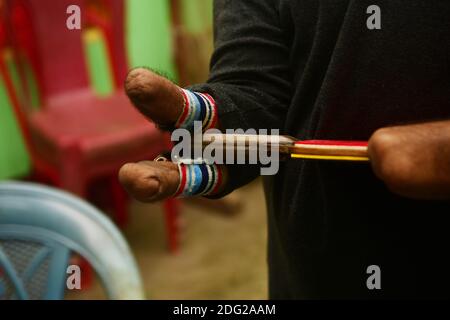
(40, 228)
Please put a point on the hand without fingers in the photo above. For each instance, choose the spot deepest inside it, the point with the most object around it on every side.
(413, 159)
(156, 97)
(149, 181)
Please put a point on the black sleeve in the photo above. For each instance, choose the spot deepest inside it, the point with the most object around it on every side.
(249, 76)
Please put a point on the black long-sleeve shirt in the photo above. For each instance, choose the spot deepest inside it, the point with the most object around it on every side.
(313, 69)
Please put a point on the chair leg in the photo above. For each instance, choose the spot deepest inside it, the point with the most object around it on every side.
(72, 178)
(171, 209)
(73, 181)
(120, 203)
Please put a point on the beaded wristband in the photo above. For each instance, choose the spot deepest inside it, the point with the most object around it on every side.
(198, 180)
(197, 107)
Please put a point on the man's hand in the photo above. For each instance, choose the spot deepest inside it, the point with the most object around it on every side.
(161, 102)
(154, 96)
(149, 181)
(413, 160)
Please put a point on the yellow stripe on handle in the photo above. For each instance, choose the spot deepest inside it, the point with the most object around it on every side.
(334, 158)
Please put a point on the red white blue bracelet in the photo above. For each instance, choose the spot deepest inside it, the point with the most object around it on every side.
(197, 107)
(198, 180)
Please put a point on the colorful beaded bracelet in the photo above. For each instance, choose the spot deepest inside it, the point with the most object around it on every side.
(198, 179)
(197, 107)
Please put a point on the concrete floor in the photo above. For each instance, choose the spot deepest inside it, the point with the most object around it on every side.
(221, 257)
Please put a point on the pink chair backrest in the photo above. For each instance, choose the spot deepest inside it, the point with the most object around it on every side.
(58, 52)
(118, 40)
(2, 26)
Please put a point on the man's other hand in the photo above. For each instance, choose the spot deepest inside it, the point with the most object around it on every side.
(149, 181)
(413, 160)
(156, 97)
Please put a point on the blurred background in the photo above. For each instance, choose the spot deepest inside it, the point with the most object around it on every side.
(65, 122)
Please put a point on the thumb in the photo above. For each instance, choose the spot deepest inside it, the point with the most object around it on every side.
(156, 97)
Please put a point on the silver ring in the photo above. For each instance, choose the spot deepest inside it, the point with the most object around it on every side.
(161, 159)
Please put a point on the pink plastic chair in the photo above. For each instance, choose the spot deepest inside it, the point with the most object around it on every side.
(76, 136)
